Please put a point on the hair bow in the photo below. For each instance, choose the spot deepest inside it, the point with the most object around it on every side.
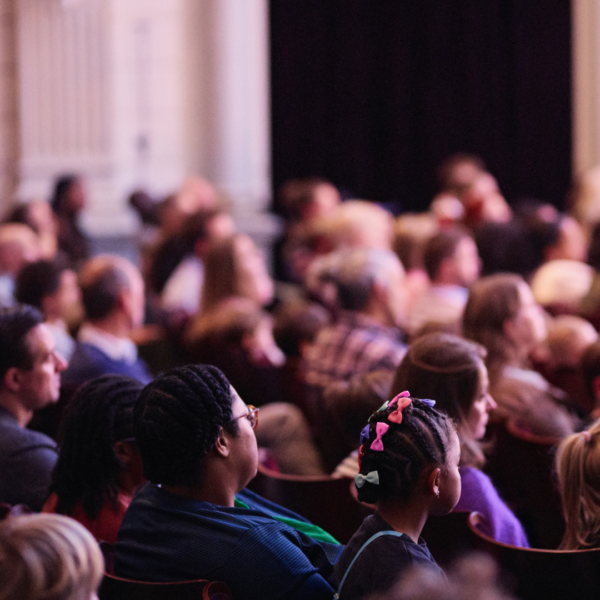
(430, 403)
(401, 401)
(381, 429)
(372, 477)
(364, 434)
(396, 398)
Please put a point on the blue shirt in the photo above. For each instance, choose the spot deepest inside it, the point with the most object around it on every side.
(166, 537)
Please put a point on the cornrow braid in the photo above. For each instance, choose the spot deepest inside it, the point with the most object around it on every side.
(177, 420)
(99, 415)
(421, 439)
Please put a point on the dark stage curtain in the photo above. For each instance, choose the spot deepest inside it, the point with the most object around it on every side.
(373, 94)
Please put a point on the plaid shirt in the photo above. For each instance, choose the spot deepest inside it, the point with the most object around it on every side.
(352, 346)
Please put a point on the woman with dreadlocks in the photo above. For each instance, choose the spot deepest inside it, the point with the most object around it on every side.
(99, 466)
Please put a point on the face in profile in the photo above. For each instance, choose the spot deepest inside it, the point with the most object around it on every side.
(40, 385)
(254, 281)
(450, 483)
(478, 415)
(244, 449)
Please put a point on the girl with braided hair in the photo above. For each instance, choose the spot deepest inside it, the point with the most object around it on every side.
(99, 467)
(578, 467)
(452, 370)
(409, 458)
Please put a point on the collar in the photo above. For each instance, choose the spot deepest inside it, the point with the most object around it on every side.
(114, 347)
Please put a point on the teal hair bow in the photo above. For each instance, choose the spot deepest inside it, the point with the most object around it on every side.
(372, 477)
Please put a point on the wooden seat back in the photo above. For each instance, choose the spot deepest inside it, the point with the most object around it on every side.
(544, 574)
(323, 500)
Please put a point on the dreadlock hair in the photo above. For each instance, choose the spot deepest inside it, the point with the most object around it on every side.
(422, 439)
(578, 468)
(177, 420)
(99, 415)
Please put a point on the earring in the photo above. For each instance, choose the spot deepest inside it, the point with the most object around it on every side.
(437, 495)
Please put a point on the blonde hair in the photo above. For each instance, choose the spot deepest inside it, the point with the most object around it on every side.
(48, 557)
(578, 467)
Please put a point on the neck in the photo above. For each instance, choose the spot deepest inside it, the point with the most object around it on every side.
(204, 493)
(115, 324)
(13, 405)
(407, 517)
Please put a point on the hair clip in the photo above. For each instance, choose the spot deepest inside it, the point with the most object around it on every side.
(396, 398)
(587, 436)
(430, 403)
(364, 434)
(372, 477)
(384, 406)
(402, 403)
(381, 429)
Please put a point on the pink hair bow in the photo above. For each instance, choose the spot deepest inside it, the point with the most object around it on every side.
(401, 401)
(381, 429)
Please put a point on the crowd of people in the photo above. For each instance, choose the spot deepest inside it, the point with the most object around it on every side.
(137, 400)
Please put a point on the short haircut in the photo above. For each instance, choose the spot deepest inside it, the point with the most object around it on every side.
(15, 323)
(38, 280)
(420, 440)
(100, 291)
(99, 415)
(61, 188)
(298, 193)
(440, 246)
(48, 557)
(590, 366)
(359, 271)
(177, 420)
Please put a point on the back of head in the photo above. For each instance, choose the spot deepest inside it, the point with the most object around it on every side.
(420, 440)
(411, 232)
(296, 323)
(99, 415)
(177, 420)
(445, 368)
(359, 271)
(439, 247)
(15, 324)
(578, 467)
(36, 281)
(61, 189)
(220, 272)
(18, 245)
(568, 338)
(48, 557)
(102, 279)
(492, 300)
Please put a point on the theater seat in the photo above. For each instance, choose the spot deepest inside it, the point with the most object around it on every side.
(543, 574)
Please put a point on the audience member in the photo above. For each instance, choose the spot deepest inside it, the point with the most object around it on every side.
(409, 459)
(578, 467)
(99, 466)
(177, 271)
(38, 215)
(452, 371)
(30, 370)
(366, 336)
(483, 202)
(590, 370)
(458, 171)
(18, 246)
(199, 451)
(113, 299)
(53, 289)
(502, 315)
(306, 199)
(68, 200)
(453, 265)
(234, 266)
(48, 557)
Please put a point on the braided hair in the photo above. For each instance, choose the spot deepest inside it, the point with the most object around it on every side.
(421, 439)
(177, 420)
(99, 415)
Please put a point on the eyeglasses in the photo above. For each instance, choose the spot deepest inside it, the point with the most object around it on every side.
(251, 415)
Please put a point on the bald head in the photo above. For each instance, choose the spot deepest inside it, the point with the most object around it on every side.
(111, 284)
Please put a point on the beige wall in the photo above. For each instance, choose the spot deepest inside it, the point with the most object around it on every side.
(8, 104)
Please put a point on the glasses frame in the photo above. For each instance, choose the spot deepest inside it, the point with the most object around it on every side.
(251, 415)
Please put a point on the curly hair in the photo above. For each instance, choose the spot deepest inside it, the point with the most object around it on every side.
(177, 420)
(422, 439)
(99, 415)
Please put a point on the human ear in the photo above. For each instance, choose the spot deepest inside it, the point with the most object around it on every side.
(124, 451)
(222, 446)
(508, 327)
(12, 379)
(433, 481)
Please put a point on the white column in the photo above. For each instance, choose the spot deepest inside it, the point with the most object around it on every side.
(586, 84)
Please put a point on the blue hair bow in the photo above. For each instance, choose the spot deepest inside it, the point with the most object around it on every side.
(364, 434)
(430, 403)
(372, 477)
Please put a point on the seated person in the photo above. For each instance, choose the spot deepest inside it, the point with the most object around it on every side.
(98, 430)
(194, 519)
(48, 557)
(29, 380)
